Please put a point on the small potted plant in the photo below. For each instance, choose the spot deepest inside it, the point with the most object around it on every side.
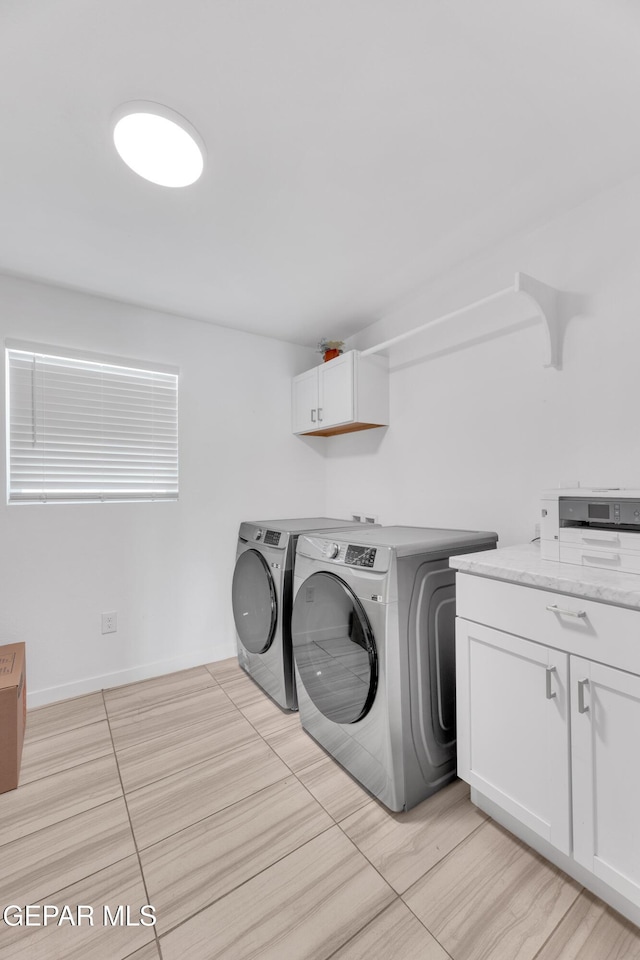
(330, 349)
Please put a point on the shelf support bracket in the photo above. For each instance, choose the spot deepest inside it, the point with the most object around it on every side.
(545, 299)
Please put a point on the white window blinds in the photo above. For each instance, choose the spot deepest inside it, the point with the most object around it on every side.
(84, 430)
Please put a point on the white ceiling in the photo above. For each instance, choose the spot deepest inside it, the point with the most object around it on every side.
(356, 148)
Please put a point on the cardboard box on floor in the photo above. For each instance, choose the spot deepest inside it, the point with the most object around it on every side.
(13, 713)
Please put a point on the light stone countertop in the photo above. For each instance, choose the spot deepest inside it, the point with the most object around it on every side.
(523, 564)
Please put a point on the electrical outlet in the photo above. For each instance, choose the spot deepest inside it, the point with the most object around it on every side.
(109, 622)
(364, 518)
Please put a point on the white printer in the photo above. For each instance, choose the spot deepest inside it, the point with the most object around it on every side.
(592, 526)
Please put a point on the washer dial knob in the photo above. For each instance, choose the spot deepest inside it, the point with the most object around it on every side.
(332, 550)
(258, 534)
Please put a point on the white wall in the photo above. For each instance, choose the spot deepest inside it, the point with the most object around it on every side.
(165, 568)
(478, 427)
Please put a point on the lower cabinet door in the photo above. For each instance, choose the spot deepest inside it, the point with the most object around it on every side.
(513, 729)
(605, 726)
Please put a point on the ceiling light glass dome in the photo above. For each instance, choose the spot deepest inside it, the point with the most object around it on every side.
(158, 144)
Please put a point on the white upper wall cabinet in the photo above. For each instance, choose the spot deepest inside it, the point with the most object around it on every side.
(348, 393)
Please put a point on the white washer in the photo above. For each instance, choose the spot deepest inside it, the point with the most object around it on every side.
(373, 626)
(261, 598)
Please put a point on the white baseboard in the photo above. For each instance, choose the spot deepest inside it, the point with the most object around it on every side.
(38, 698)
(601, 889)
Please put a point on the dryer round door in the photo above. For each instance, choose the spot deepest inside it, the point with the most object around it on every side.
(253, 596)
(334, 648)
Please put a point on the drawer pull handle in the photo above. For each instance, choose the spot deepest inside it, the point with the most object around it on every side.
(582, 706)
(549, 673)
(564, 612)
(614, 540)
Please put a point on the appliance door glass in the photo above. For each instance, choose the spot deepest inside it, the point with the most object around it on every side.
(254, 602)
(334, 648)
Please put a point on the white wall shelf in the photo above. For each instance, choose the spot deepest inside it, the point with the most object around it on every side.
(543, 297)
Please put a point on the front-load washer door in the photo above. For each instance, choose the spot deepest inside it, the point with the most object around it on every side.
(255, 608)
(334, 648)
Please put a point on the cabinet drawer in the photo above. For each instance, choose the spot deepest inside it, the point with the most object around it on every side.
(587, 628)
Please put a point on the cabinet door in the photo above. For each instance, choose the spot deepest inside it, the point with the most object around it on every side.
(304, 401)
(605, 707)
(336, 390)
(513, 730)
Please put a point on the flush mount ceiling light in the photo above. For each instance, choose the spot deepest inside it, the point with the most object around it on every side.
(158, 144)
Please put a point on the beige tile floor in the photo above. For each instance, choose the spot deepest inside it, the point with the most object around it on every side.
(196, 794)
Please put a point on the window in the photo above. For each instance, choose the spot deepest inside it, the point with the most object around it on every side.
(87, 428)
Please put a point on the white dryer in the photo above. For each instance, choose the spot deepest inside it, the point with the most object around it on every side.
(262, 596)
(373, 626)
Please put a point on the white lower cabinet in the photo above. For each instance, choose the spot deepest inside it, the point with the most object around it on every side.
(605, 734)
(513, 730)
(550, 736)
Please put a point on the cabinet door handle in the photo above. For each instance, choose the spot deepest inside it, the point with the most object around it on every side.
(551, 695)
(564, 612)
(582, 706)
(313, 416)
(319, 414)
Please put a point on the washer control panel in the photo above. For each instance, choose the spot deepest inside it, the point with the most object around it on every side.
(272, 538)
(360, 556)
